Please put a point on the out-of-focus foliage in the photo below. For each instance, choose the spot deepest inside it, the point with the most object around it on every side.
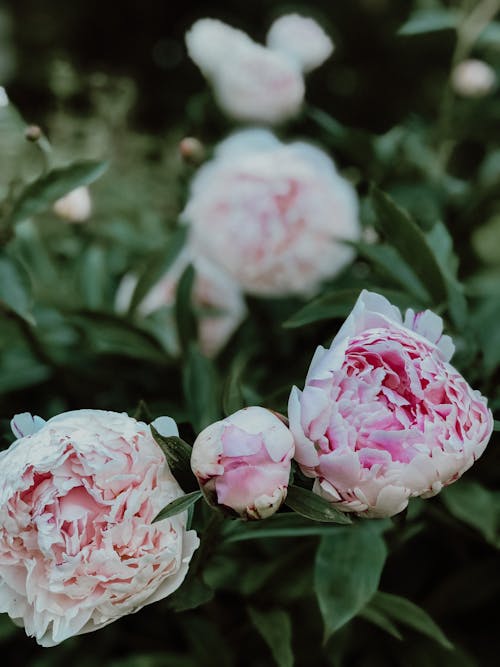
(111, 83)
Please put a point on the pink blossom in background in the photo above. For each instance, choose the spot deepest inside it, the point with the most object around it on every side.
(383, 416)
(78, 549)
(243, 462)
(274, 216)
(250, 82)
(217, 300)
(302, 39)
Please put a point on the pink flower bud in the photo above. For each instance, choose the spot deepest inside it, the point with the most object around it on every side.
(243, 462)
(384, 416)
(76, 206)
(473, 78)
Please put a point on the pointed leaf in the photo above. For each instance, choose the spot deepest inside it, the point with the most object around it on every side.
(379, 619)
(276, 629)
(15, 287)
(178, 505)
(178, 455)
(309, 504)
(474, 505)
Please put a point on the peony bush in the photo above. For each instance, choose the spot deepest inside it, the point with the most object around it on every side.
(284, 233)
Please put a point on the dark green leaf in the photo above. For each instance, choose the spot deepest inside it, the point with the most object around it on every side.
(496, 425)
(408, 239)
(178, 505)
(474, 505)
(276, 629)
(200, 389)
(347, 573)
(429, 20)
(279, 525)
(232, 397)
(178, 455)
(407, 613)
(184, 314)
(309, 504)
(193, 593)
(15, 287)
(379, 619)
(42, 193)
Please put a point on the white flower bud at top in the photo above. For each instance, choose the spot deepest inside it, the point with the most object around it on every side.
(473, 78)
(302, 39)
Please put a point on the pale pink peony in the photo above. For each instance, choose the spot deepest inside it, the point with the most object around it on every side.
(384, 416)
(78, 549)
(217, 301)
(302, 39)
(243, 462)
(76, 206)
(473, 78)
(274, 216)
(250, 82)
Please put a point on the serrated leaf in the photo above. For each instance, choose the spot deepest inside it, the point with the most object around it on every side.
(42, 193)
(15, 287)
(200, 389)
(178, 505)
(379, 619)
(275, 628)
(408, 613)
(347, 573)
(407, 238)
(429, 20)
(178, 455)
(310, 505)
(471, 503)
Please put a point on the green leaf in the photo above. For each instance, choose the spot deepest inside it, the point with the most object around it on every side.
(276, 629)
(347, 573)
(15, 287)
(178, 455)
(496, 425)
(184, 315)
(232, 397)
(277, 526)
(407, 613)
(379, 619)
(429, 20)
(474, 505)
(94, 277)
(178, 505)
(193, 593)
(200, 389)
(409, 240)
(309, 504)
(42, 193)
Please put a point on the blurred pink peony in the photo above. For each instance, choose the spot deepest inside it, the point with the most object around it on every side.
(250, 82)
(243, 462)
(383, 416)
(77, 547)
(473, 78)
(218, 300)
(300, 38)
(273, 216)
(76, 206)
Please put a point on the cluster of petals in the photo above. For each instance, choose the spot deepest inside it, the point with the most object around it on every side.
(384, 416)
(243, 462)
(274, 216)
(253, 82)
(78, 546)
(218, 301)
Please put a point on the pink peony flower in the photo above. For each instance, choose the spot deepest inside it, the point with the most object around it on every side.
(300, 38)
(243, 462)
(274, 216)
(78, 549)
(76, 206)
(217, 298)
(250, 82)
(384, 416)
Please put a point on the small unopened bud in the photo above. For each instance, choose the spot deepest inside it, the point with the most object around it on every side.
(192, 150)
(33, 133)
(76, 206)
(473, 78)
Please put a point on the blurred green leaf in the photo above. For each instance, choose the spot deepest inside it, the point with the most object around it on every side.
(276, 629)
(178, 505)
(15, 287)
(192, 594)
(279, 525)
(407, 613)
(200, 389)
(347, 573)
(184, 313)
(42, 193)
(430, 20)
(474, 505)
(378, 618)
(232, 397)
(309, 504)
